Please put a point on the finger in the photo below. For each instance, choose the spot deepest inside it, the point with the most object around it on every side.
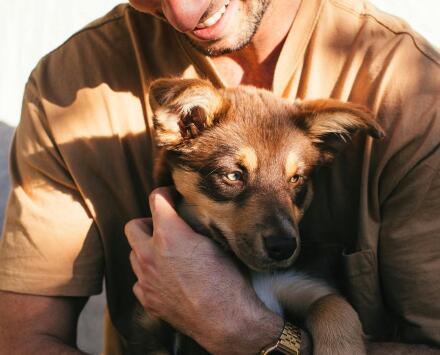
(139, 293)
(168, 192)
(144, 224)
(144, 266)
(136, 265)
(145, 299)
(163, 212)
(145, 279)
(138, 231)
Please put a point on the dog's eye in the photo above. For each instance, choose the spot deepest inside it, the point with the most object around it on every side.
(234, 176)
(296, 179)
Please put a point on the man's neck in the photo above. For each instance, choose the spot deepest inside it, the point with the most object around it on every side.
(255, 64)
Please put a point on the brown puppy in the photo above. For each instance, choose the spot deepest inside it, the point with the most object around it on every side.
(242, 160)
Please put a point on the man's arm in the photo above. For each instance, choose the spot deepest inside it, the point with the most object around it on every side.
(38, 324)
(48, 229)
(186, 280)
(228, 320)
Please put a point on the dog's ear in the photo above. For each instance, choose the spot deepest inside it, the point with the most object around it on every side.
(183, 109)
(330, 124)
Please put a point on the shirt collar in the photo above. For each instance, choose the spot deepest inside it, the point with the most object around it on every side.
(293, 49)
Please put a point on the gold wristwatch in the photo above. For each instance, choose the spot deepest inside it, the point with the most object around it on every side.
(288, 343)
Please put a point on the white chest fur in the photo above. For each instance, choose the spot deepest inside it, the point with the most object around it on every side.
(288, 291)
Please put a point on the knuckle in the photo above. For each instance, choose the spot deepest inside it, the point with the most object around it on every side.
(141, 263)
(132, 225)
(128, 227)
(144, 258)
(153, 195)
(143, 299)
(133, 261)
(137, 291)
(162, 191)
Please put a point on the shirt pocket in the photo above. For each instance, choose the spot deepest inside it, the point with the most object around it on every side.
(362, 285)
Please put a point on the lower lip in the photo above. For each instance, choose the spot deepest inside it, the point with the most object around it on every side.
(214, 32)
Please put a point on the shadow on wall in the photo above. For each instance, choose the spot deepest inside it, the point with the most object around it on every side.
(90, 323)
(6, 133)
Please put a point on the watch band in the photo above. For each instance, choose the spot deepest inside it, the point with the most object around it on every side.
(289, 342)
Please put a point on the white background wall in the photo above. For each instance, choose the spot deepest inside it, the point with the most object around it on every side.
(28, 30)
(31, 28)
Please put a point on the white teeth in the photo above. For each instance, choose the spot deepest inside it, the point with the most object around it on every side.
(214, 18)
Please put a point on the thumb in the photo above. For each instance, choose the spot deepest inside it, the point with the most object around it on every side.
(163, 211)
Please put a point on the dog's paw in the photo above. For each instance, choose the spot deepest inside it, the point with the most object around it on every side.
(335, 327)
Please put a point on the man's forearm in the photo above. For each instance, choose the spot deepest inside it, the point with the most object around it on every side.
(254, 332)
(38, 345)
(32, 324)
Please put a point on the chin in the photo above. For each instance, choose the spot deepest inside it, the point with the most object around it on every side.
(217, 48)
(237, 37)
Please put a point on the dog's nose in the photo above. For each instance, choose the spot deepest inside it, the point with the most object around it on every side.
(279, 248)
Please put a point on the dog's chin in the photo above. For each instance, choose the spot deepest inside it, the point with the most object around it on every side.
(262, 263)
(256, 258)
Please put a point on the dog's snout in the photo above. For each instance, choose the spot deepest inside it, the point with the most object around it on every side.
(279, 248)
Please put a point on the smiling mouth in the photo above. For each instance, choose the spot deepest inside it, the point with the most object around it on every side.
(214, 18)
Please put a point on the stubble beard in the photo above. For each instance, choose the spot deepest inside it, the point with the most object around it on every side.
(244, 38)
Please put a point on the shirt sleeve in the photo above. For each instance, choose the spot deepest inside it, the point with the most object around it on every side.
(50, 243)
(409, 249)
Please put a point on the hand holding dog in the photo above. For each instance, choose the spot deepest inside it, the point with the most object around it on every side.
(187, 281)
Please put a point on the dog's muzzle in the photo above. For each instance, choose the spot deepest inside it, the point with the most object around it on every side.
(279, 248)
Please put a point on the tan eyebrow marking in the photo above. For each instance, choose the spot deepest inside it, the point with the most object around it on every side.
(248, 158)
(292, 164)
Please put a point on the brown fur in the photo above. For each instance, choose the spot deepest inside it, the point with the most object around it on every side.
(338, 326)
(248, 158)
(210, 136)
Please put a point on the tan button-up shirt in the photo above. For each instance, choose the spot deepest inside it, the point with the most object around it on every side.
(82, 157)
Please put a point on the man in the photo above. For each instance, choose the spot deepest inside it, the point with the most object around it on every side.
(81, 167)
